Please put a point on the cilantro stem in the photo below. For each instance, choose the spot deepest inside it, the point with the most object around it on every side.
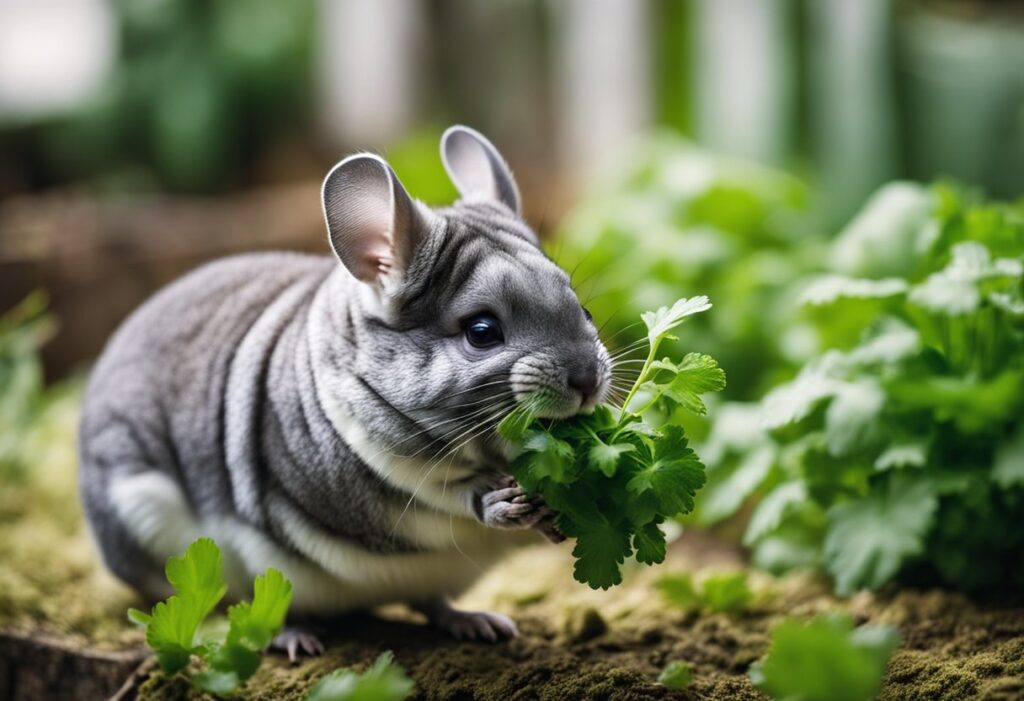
(641, 378)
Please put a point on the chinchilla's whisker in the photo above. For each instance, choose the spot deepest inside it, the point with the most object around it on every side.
(623, 330)
(459, 429)
(629, 348)
(475, 402)
(434, 426)
(475, 388)
(632, 345)
(473, 433)
(462, 420)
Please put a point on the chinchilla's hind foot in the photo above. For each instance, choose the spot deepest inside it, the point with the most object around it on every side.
(296, 639)
(467, 625)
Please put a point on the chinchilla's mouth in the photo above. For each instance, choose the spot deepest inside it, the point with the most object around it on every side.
(549, 404)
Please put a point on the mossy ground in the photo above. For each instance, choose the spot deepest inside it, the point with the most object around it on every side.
(574, 644)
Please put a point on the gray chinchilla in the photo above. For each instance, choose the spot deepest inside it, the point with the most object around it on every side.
(337, 421)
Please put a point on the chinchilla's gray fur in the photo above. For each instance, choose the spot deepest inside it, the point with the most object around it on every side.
(227, 403)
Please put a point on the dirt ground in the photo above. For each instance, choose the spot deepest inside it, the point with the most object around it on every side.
(574, 644)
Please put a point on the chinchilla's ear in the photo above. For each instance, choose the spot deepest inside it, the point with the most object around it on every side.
(373, 225)
(476, 167)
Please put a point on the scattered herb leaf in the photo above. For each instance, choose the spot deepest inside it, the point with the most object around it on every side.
(383, 681)
(676, 675)
(825, 659)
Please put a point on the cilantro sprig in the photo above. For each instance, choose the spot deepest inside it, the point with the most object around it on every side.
(174, 628)
(612, 476)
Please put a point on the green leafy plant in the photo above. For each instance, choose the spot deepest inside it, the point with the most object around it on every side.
(383, 681)
(612, 476)
(825, 659)
(24, 396)
(899, 450)
(669, 218)
(676, 675)
(720, 593)
(174, 627)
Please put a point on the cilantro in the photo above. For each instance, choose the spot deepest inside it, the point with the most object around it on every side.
(825, 659)
(613, 477)
(676, 675)
(383, 681)
(899, 450)
(172, 626)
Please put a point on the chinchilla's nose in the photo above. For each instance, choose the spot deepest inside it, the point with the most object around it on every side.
(584, 380)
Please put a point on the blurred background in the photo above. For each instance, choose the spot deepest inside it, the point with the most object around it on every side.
(716, 140)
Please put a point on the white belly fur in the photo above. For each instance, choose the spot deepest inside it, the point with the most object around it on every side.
(333, 575)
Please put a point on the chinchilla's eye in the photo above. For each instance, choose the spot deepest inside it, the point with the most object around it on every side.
(586, 313)
(483, 331)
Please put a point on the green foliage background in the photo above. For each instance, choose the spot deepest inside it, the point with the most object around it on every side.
(879, 424)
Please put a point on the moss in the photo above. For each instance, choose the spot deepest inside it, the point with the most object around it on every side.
(946, 670)
(50, 580)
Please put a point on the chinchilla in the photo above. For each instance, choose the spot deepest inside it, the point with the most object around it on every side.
(338, 421)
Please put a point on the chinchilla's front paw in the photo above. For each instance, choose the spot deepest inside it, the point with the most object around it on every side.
(508, 506)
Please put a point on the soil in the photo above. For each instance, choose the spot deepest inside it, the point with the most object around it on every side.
(63, 632)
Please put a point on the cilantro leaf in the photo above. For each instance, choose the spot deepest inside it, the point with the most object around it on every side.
(600, 550)
(383, 681)
(255, 625)
(726, 593)
(171, 628)
(606, 457)
(696, 375)
(853, 417)
(649, 543)
(216, 682)
(552, 457)
(171, 632)
(675, 475)
(770, 512)
(676, 675)
(869, 539)
(664, 319)
(197, 575)
(720, 593)
(679, 590)
(825, 659)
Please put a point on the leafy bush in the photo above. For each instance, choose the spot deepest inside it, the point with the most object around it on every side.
(900, 449)
(200, 90)
(611, 476)
(676, 221)
(825, 659)
(24, 397)
(173, 628)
